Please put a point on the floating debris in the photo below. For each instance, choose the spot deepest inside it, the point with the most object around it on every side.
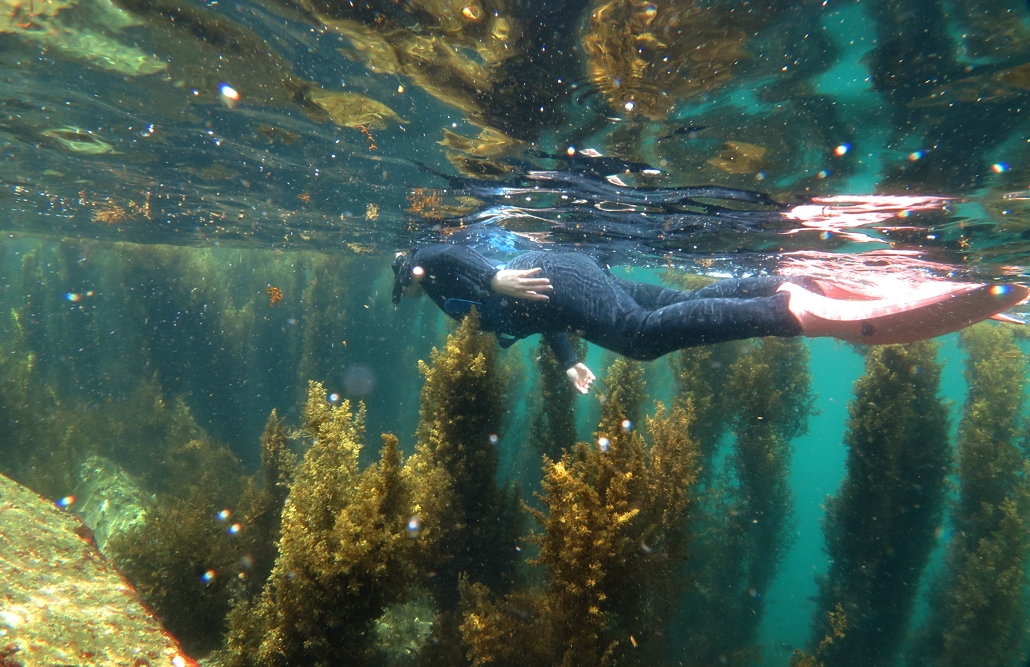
(738, 157)
(278, 134)
(353, 110)
(79, 141)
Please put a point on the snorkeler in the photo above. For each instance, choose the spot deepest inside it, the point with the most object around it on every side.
(558, 293)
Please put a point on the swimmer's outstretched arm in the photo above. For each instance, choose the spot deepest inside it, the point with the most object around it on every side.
(580, 376)
(519, 284)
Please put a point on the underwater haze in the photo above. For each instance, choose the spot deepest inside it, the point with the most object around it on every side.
(200, 357)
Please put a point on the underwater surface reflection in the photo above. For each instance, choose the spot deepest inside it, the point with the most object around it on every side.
(199, 355)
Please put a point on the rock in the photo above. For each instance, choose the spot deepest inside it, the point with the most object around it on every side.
(61, 601)
(107, 499)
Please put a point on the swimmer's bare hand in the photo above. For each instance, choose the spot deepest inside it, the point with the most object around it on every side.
(519, 284)
(582, 378)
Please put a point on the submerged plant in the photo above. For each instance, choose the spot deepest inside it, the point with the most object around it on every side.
(554, 426)
(645, 57)
(352, 544)
(188, 558)
(462, 413)
(881, 526)
(614, 539)
(702, 374)
(978, 613)
(743, 520)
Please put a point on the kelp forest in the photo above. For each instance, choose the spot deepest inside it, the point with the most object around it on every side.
(290, 470)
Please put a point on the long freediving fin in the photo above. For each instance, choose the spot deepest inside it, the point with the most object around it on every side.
(912, 318)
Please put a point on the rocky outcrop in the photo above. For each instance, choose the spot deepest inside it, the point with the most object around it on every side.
(61, 601)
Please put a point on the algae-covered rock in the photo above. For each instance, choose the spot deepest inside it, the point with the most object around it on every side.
(63, 603)
(107, 499)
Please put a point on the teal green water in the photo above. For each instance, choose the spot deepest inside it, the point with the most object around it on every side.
(200, 203)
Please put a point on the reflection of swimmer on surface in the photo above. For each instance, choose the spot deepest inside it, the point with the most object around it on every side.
(557, 293)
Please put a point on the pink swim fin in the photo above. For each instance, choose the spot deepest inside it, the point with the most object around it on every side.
(930, 312)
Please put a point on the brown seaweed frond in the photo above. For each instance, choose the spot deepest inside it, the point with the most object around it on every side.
(463, 406)
(185, 563)
(646, 57)
(743, 519)
(615, 529)
(702, 374)
(838, 623)
(978, 603)
(352, 543)
(553, 430)
(881, 527)
(516, 630)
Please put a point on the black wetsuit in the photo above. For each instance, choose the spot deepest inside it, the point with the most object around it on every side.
(639, 320)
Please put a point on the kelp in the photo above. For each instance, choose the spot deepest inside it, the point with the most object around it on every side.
(80, 29)
(743, 519)
(613, 541)
(646, 57)
(882, 525)
(207, 539)
(353, 543)
(353, 110)
(977, 613)
(553, 429)
(461, 417)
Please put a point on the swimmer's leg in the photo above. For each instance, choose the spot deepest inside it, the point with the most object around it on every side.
(653, 297)
(651, 334)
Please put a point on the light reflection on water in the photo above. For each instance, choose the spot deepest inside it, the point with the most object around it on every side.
(117, 125)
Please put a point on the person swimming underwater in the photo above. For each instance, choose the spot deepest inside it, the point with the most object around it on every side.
(560, 293)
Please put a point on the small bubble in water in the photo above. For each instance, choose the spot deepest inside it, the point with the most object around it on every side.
(915, 155)
(66, 502)
(234, 529)
(999, 167)
(603, 443)
(629, 105)
(627, 425)
(230, 96)
(208, 577)
(334, 397)
(224, 514)
(842, 150)
(414, 527)
(359, 380)
(493, 438)
(73, 297)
